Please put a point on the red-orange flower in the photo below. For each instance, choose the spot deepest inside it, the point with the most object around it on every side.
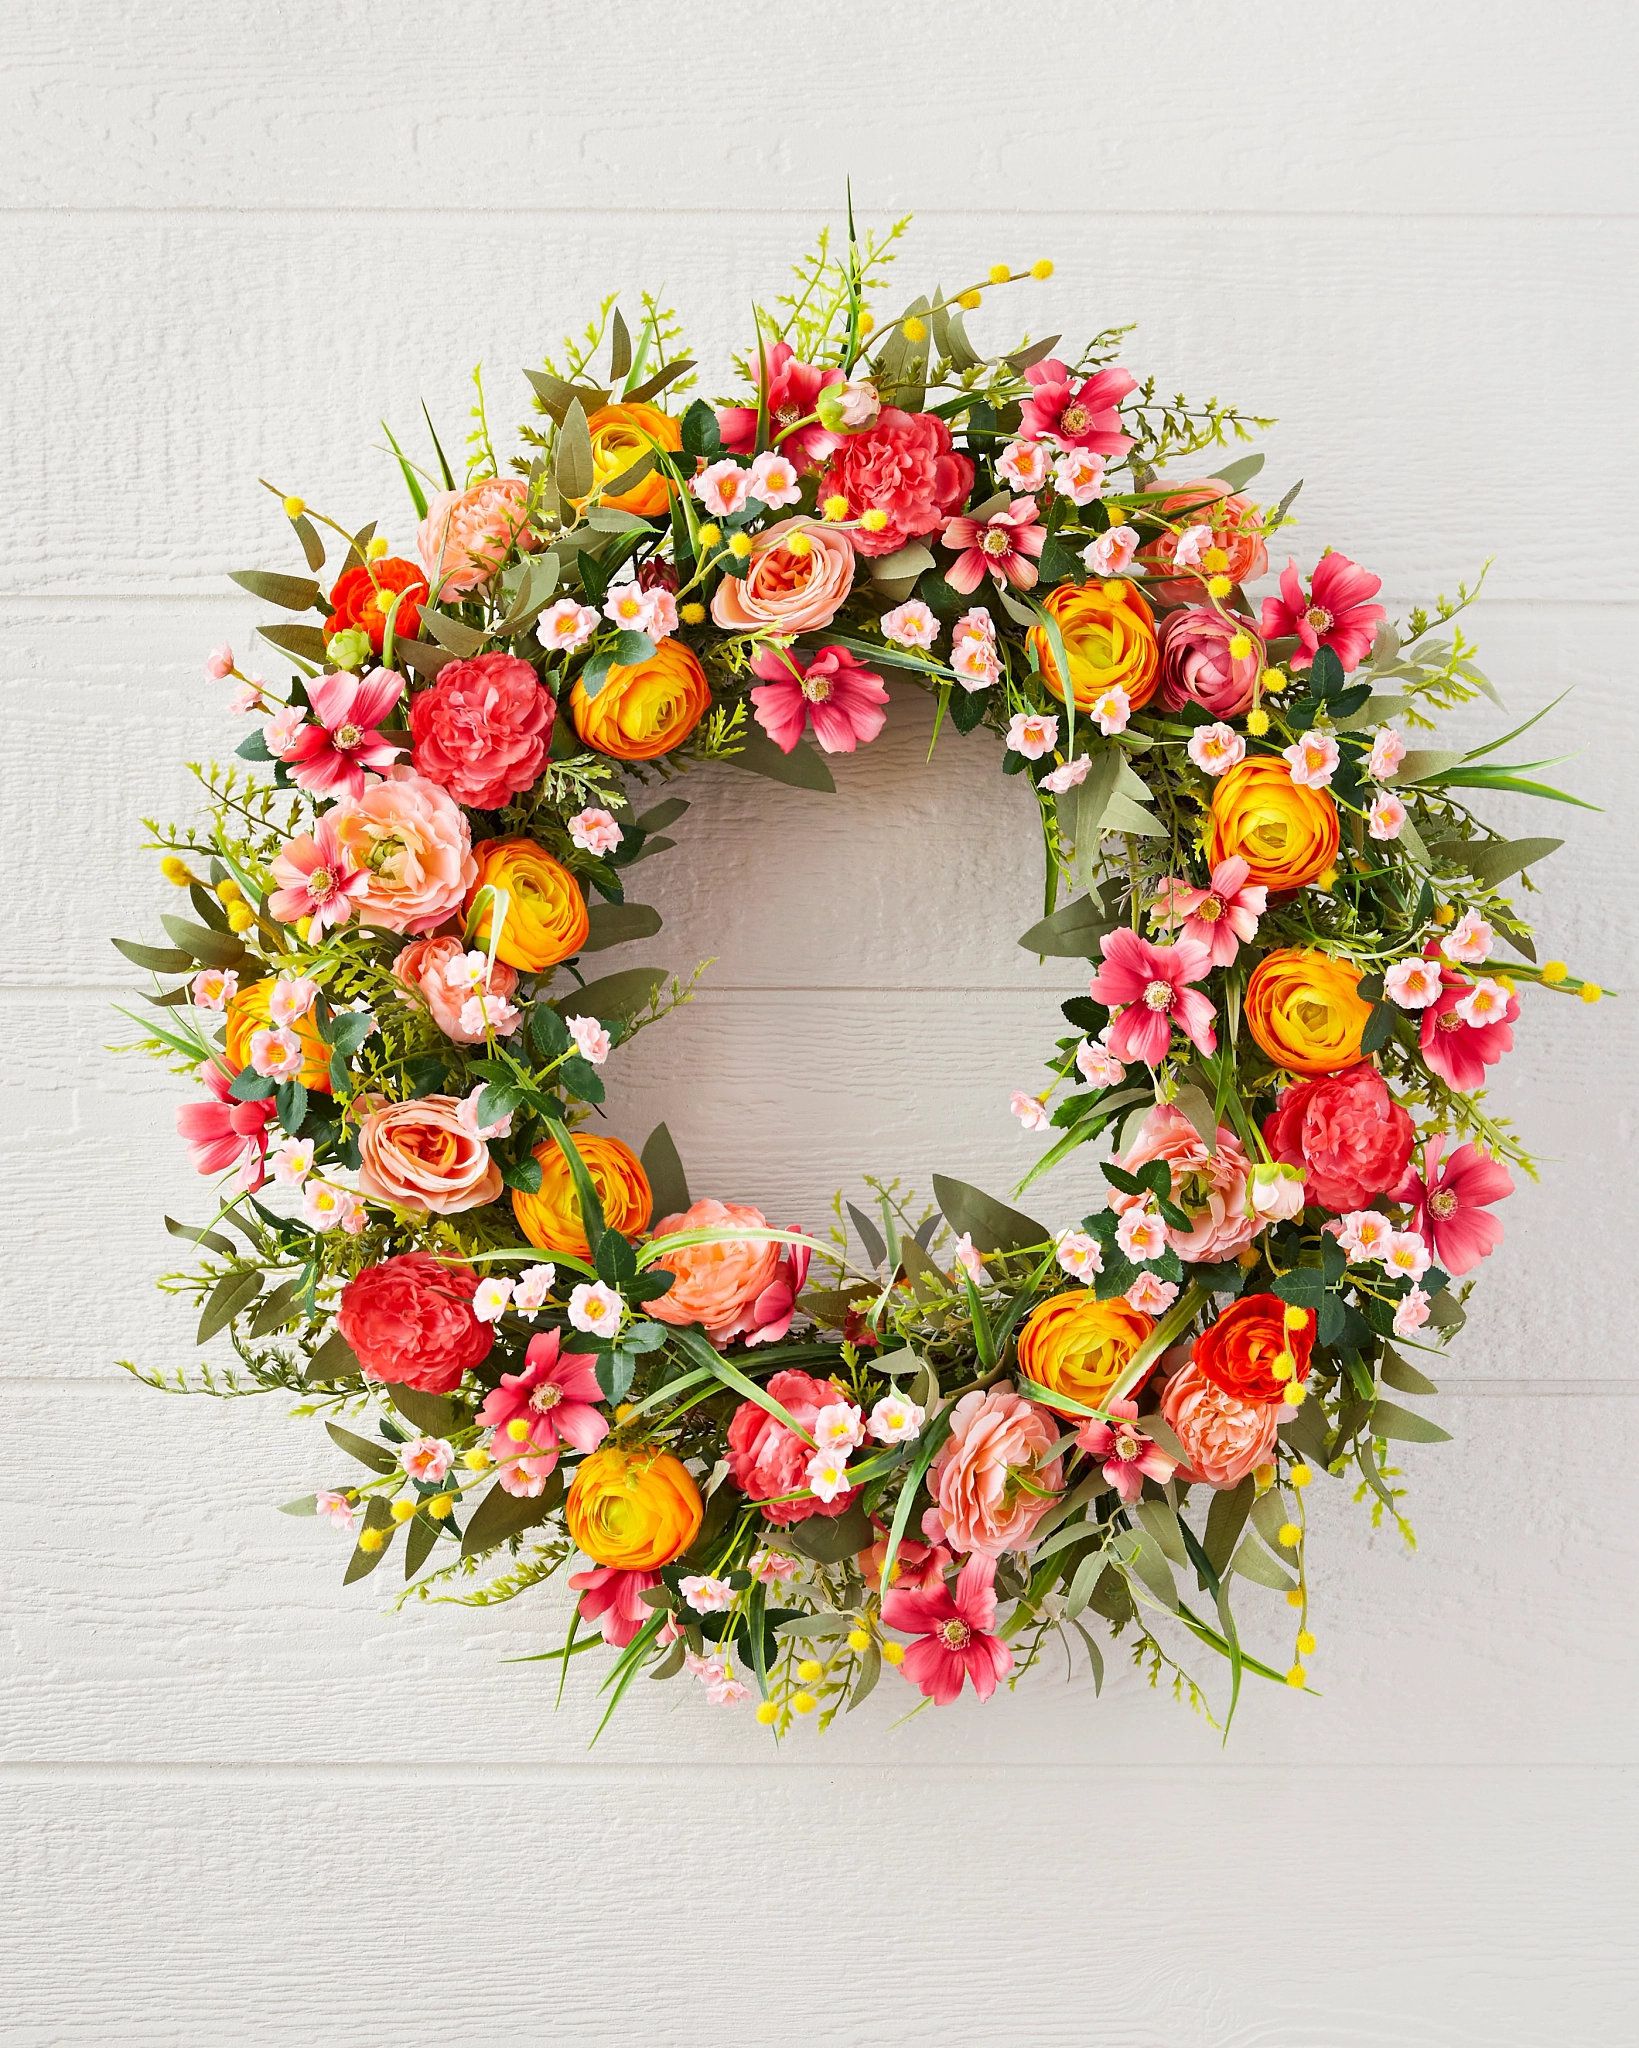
(364, 596)
(1241, 1351)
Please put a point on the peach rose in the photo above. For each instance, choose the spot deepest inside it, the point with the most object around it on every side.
(421, 966)
(786, 592)
(1211, 1186)
(718, 1285)
(411, 839)
(420, 1155)
(988, 1480)
(1224, 1436)
(468, 535)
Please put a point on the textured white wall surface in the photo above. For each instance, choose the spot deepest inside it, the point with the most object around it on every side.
(241, 1805)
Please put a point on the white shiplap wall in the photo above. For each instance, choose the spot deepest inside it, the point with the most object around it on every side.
(241, 1806)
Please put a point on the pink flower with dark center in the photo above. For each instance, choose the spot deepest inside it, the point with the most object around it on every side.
(1076, 416)
(1149, 989)
(1127, 1455)
(330, 757)
(553, 1401)
(1004, 545)
(1335, 614)
(223, 1132)
(843, 700)
(1219, 917)
(792, 392)
(614, 1600)
(316, 879)
(955, 1628)
(1458, 1051)
(1450, 1202)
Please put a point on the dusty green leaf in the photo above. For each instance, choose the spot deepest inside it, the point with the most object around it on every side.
(616, 924)
(992, 1225)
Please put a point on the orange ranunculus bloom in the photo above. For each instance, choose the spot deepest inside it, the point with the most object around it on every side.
(1076, 1345)
(1109, 636)
(250, 1011)
(551, 1217)
(1238, 1352)
(546, 919)
(1306, 1011)
(1286, 834)
(646, 709)
(635, 1510)
(621, 436)
(363, 596)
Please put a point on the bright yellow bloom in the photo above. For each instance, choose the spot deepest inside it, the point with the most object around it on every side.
(1553, 971)
(1257, 722)
(376, 549)
(874, 520)
(402, 1510)
(1590, 991)
(372, 1539)
(295, 507)
(809, 1669)
(805, 1703)
(972, 300)
(175, 870)
(693, 614)
(835, 507)
(740, 546)
(1000, 273)
(767, 1712)
(915, 330)
(1306, 1644)
(1041, 271)
(894, 1652)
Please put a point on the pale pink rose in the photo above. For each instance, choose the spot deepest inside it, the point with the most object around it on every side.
(1030, 1110)
(468, 535)
(1111, 554)
(219, 663)
(1025, 464)
(775, 481)
(723, 488)
(1032, 734)
(1223, 1436)
(566, 625)
(277, 1055)
(1406, 1255)
(976, 624)
(1386, 818)
(410, 841)
(214, 988)
(482, 1014)
(292, 996)
(1210, 1186)
(469, 1116)
(595, 832)
(895, 1420)
(1388, 751)
(423, 965)
(910, 624)
(839, 1426)
(787, 590)
(279, 732)
(531, 1288)
(733, 1287)
(1275, 1193)
(1216, 748)
(248, 696)
(1079, 476)
(996, 1439)
(772, 1567)
(977, 664)
(1413, 984)
(660, 620)
(728, 1692)
(1151, 1295)
(1469, 940)
(1191, 544)
(1312, 760)
(423, 1157)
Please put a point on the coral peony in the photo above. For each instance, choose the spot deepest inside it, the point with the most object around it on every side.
(992, 1480)
(1218, 917)
(614, 1600)
(1458, 1050)
(553, 1401)
(330, 754)
(482, 729)
(790, 396)
(1286, 834)
(795, 582)
(904, 467)
(1210, 1186)
(766, 1459)
(420, 966)
(410, 1321)
(1223, 1436)
(955, 1627)
(414, 847)
(225, 1132)
(364, 596)
(423, 1156)
(1346, 1133)
(735, 1287)
(468, 535)
(1084, 415)
(1149, 989)
(1200, 665)
(1255, 1349)
(1335, 614)
(843, 699)
(634, 1509)
(1450, 1201)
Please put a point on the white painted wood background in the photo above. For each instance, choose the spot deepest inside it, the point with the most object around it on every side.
(243, 1806)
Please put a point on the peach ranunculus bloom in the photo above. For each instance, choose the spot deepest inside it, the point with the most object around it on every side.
(785, 591)
(411, 839)
(732, 1287)
(1224, 1436)
(421, 966)
(468, 535)
(421, 1155)
(1210, 1186)
(988, 1480)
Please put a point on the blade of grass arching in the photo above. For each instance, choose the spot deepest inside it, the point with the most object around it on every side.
(626, 1670)
(443, 460)
(418, 497)
(926, 1452)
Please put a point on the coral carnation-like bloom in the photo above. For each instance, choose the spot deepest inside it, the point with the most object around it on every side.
(735, 1287)
(1224, 1436)
(1004, 544)
(793, 391)
(906, 467)
(554, 1399)
(1458, 1051)
(1236, 528)
(955, 1627)
(1219, 917)
(1351, 1140)
(614, 1600)
(992, 1481)
(1080, 416)
(224, 1132)
(330, 756)
(482, 729)
(415, 847)
(1127, 1455)
(1450, 1203)
(468, 535)
(1210, 1186)
(842, 699)
(410, 1321)
(765, 1459)
(363, 596)
(1335, 614)
(1149, 987)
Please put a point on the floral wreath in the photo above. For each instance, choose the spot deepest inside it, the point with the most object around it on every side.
(980, 1432)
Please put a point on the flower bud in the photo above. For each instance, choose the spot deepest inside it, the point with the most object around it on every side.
(295, 507)
(350, 648)
(1275, 1192)
(848, 408)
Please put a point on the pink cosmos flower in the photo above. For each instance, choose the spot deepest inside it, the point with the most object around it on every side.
(1460, 1052)
(213, 988)
(1081, 1256)
(1149, 987)
(1218, 917)
(1216, 748)
(1068, 775)
(1112, 708)
(1024, 464)
(1388, 751)
(1469, 940)
(1151, 1295)
(1032, 734)
(1386, 819)
(1111, 554)
(1083, 416)
(1004, 544)
(843, 700)
(723, 488)
(1030, 1110)
(225, 1132)
(792, 391)
(427, 1458)
(1413, 984)
(614, 1600)
(595, 832)
(1335, 614)
(910, 624)
(1313, 760)
(330, 757)
(955, 1631)
(1097, 1063)
(566, 625)
(1127, 1455)
(1411, 1312)
(775, 480)
(219, 663)
(317, 879)
(592, 1041)
(1079, 476)
(552, 1402)
(1450, 1203)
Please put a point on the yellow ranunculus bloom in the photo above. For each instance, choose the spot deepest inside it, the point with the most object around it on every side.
(551, 1218)
(546, 918)
(249, 1011)
(1286, 834)
(1109, 636)
(1076, 1345)
(635, 1510)
(1306, 1012)
(646, 709)
(621, 436)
